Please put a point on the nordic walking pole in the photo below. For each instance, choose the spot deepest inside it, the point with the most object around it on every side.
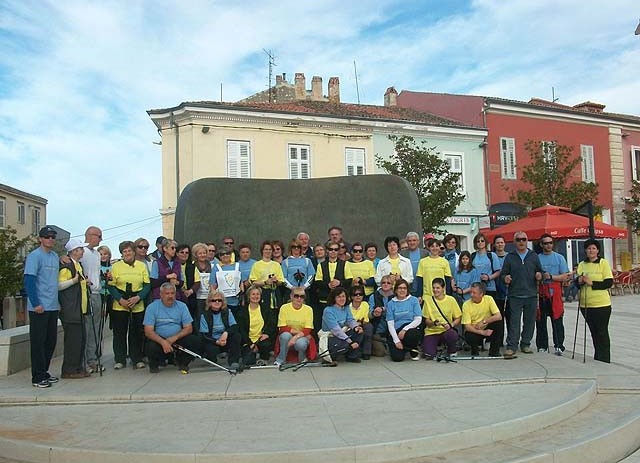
(305, 363)
(204, 359)
(575, 335)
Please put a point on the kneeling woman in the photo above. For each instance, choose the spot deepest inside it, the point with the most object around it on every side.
(442, 314)
(257, 328)
(295, 324)
(403, 320)
(340, 330)
(219, 330)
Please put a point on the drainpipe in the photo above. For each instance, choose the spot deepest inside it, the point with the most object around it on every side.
(485, 154)
(172, 123)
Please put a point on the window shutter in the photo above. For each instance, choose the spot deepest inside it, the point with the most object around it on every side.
(508, 158)
(238, 159)
(354, 161)
(588, 171)
(635, 162)
(2, 204)
(299, 162)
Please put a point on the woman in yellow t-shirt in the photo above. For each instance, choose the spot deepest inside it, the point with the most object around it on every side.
(595, 278)
(442, 315)
(360, 311)
(267, 274)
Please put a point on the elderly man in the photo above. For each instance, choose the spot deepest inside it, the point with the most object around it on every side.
(481, 319)
(521, 271)
(414, 254)
(41, 284)
(335, 236)
(168, 322)
(307, 250)
(91, 264)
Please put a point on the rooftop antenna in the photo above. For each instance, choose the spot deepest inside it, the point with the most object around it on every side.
(221, 92)
(553, 95)
(355, 72)
(272, 63)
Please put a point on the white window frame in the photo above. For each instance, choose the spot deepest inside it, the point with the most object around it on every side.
(235, 167)
(588, 166)
(36, 220)
(22, 213)
(452, 159)
(297, 165)
(635, 159)
(355, 159)
(508, 158)
(3, 212)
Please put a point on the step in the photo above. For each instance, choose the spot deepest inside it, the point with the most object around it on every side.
(346, 426)
(605, 432)
(633, 458)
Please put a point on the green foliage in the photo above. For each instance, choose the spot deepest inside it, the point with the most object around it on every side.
(430, 176)
(549, 178)
(12, 250)
(632, 212)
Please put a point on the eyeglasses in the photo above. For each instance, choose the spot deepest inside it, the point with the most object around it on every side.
(357, 294)
(547, 242)
(228, 243)
(442, 248)
(49, 237)
(142, 246)
(333, 249)
(402, 287)
(480, 240)
(215, 300)
(356, 250)
(299, 296)
(521, 239)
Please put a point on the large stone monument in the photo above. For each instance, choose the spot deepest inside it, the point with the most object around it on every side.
(367, 208)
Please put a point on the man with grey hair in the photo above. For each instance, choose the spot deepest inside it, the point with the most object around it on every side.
(521, 272)
(304, 238)
(414, 254)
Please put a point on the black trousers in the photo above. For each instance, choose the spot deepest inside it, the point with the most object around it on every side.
(264, 348)
(412, 338)
(43, 335)
(131, 330)
(336, 344)
(211, 350)
(598, 322)
(74, 345)
(156, 355)
(502, 306)
(475, 339)
(557, 327)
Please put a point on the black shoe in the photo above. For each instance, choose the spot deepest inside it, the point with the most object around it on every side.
(327, 363)
(52, 379)
(42, 384)
(475, 353)
(353, 360)
(154, 369)
(494, 353)
(366, 356)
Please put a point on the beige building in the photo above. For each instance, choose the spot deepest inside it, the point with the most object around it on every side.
(25, 212)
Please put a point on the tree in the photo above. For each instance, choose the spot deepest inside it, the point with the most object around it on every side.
(12, 250)
(430, 175)
(631, 212)
(549, 178)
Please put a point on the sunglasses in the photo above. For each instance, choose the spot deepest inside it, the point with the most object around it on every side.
(49, 237)
(295, 246)
(547, 242)
(480, 241)
(215, 300)
(225, 253)
(356, 250)
(142, 246)
(521, 239)
(385, 283)
(228, 243)
(357, 294)
(333, 249)
(299, 296)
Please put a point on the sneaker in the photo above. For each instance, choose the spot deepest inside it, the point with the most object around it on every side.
(42, 384)
(509, 354)
(261, 363)
(329, 363)
(495, 353)
(427, 357)
(415, 356)
(234, 366)
(526, 350)
(154, 369)
(118, 366)
(558, 352)
(455, 354)
(277, 363)
(52, 379)
(184, 369)
(353, 360)
(366, 357)
(542, 349)
(140, 365)
(93, 368)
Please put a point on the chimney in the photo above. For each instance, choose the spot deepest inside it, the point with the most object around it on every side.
(391, 97)
(334, 90)
(316, 88)
(279, 79)
(300, 86)
(590, 107)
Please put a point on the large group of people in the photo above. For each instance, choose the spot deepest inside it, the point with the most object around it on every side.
(303, 302)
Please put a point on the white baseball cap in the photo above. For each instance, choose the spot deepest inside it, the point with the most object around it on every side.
(74, 243)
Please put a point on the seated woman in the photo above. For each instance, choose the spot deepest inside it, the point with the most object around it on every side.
(295, 327)
(442, 315)
(360, 311)
(219, 330)
(403, 321)
(257, 328)
(464, 275)
(481, 319)
(340, 331)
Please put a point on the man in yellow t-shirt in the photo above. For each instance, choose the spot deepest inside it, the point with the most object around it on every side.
(480, 317)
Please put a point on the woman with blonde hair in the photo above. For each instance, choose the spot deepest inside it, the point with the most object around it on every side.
(219, 330)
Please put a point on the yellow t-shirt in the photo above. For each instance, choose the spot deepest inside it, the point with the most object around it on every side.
(261, 270)
(123, 273)
(395, 266)
(65, 274)
(597, 272)
(296, 318)
(196, 276)
(473, 313)
(450, 309)
(256, 324)
(364, 270)
(332, 271)
(361, 314)
(429, 269)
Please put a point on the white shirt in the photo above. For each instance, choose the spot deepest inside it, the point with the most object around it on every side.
(91, 265)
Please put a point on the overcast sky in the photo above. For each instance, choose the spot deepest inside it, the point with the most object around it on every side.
(77, 77)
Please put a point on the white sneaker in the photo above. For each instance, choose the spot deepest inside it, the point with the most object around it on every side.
(542, 349)
(140, 365)
(558, 352)
(118, 366)
(277, 363)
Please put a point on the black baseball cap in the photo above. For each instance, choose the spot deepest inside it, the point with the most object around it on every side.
(160, 239)
(46, 231)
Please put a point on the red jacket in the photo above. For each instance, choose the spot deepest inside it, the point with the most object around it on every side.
(292, 355)
(557, 306)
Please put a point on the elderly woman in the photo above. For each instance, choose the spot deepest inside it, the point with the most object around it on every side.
(226, 278)
(403, 322)
(297, 269)
(142, 248)
(166, 268)
(257, 327)
(191, 278)
(129, 286)
(278, 251)
(330, 274)
(267, 274)
(219, 330)
(72, 295)
(595, 279)
(442, 315)
(203, 267)
(295, 325)
(360, 311)
(340, 331)
(394, 264)
(378, 302)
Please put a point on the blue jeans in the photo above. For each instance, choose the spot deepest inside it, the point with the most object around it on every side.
(300, 346)
(521, 308)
